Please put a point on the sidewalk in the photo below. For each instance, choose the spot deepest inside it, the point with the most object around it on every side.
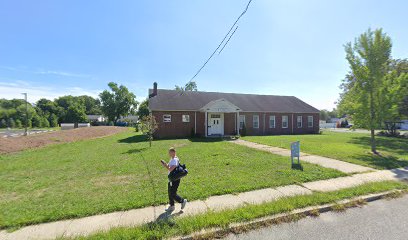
(89, 225)
(322, 161)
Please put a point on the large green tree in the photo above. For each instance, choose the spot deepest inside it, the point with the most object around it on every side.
(369, 57)
(117, 102)
(143, 110)
(190, 86)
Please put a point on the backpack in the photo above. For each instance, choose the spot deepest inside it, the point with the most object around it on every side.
(179, 172)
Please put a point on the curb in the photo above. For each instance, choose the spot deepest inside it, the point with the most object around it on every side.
(297, 214)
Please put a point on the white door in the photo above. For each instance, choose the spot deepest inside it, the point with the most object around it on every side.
(215, 124)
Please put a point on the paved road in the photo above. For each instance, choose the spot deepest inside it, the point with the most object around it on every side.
(383, 219)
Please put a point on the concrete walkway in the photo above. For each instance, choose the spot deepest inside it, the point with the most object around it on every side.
(322, 161)
(89, 225)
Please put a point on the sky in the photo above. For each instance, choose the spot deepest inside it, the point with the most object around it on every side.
(283, 47)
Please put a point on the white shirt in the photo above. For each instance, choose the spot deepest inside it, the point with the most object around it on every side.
(174, 162)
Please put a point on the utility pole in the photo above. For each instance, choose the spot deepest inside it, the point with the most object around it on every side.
(26, 114)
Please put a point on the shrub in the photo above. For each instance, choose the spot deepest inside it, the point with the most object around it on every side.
(3, 123)
(19, 124)
(11, 123)
(53, 120)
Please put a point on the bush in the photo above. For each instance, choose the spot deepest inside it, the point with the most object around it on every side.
(19, 124)
(45, 123)
(11, 123)
(3, 123)
(36, 121)
(111, 123)
(53, 120)
(243, 130)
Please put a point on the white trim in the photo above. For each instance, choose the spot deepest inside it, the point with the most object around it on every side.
(274, 121)
(220, 106)
(253, 120)
(239, 120)
(220, 123)
(167, 115)
(301, 121)
(287, 121)
(188, 118)
(309, 122)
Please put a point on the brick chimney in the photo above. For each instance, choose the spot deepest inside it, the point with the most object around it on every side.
(154, 93)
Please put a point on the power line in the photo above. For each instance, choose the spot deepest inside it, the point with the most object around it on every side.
(227, 40)
(219, 45)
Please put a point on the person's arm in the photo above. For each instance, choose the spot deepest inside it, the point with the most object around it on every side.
(167, 166)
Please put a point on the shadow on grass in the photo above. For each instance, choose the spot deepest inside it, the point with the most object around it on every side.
(133, 139)
(386, 162)
(132, 151)
(206, 140)
(391, 145)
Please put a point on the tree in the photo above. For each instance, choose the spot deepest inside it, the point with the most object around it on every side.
(11, 123)
(117, 102)
(143, 109)
(324, 115)
(92, 105)
(19, 124)
(3, 123)
(53, 119)
(36, 121)
(368, 58)
(190, 86)
(76, 113)
(148, 126)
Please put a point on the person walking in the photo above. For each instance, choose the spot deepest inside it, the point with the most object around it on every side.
(172, 187)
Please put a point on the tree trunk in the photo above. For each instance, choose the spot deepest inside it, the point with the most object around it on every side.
(372, 119)
(373, 145)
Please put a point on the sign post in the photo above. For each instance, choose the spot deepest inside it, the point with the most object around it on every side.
(295, 153)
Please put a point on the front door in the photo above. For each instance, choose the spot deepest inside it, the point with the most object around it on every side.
(215, 124)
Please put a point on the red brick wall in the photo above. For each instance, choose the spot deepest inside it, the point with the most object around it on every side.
(177, 128)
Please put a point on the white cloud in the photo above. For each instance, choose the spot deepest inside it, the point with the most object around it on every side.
(46, 72)
(10, 90)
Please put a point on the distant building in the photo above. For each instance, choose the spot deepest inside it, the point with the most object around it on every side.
(96, 118)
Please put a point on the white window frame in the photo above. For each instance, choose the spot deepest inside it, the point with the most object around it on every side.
(241, 117)
(272, 117)
(309, 123)
(168, 116)
(285, 119)
(253, 121)
(185, 118)
(301, 121)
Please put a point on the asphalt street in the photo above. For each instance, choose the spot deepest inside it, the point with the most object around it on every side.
(382, 220)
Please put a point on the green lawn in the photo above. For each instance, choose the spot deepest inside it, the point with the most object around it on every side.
(121, 172)
(350, 147)
(223, 219)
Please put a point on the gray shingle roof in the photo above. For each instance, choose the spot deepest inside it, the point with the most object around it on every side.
(172, 100)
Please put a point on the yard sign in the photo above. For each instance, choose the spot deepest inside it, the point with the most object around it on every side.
(295, 151)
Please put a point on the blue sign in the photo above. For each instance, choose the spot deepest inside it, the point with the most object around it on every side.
(295, 151)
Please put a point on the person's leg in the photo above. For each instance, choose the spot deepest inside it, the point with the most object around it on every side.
(174, 195)
(169, 190)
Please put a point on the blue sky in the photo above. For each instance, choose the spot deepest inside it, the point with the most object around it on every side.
(53, 48)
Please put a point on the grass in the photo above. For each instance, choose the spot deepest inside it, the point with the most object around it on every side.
(350, 147)
(184, 226)
(121, 172)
